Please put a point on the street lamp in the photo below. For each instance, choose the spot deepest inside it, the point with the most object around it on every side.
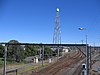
(86, 51)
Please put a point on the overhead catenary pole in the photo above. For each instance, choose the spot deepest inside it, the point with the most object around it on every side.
(82, 41)
(86, 55)
(90, 59)
(57, 53)
(42, 55)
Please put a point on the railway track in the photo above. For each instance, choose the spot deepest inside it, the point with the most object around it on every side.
(64, 62)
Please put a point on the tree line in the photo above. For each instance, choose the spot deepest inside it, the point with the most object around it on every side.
(17, 53)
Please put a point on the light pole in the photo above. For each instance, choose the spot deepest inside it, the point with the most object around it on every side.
(86, 51)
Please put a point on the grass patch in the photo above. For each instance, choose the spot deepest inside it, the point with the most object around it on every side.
(1, 62)
(9, 63)
(32, 68)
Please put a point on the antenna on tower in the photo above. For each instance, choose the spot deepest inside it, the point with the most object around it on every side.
(57, 31)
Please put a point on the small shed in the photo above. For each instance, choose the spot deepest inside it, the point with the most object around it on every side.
(66, 49)
(36, 59)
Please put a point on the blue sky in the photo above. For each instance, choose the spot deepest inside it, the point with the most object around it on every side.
(34, 20)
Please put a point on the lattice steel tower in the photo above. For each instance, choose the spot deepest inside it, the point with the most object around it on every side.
(57, 32)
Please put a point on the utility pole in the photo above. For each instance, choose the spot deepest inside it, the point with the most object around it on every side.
(5, 54)
(42, 55)
(57, 32)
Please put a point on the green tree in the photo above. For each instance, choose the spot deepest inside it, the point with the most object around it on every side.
(60, 51)
(31, 50)
(15, 52)
(1, 51)
(47, 52)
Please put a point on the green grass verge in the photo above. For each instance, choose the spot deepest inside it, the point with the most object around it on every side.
(32, 68)
(9, 63)
(1, 62)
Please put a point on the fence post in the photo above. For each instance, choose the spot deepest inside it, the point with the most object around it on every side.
(16, 71)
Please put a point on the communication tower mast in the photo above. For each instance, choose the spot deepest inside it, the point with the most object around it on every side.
(57, 32)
